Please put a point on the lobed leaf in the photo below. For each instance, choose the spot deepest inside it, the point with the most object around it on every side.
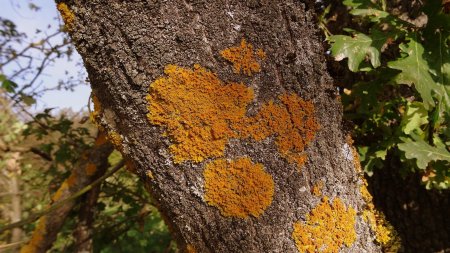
(357, 47)
(415, 116)
(415, 70)
(423, 152)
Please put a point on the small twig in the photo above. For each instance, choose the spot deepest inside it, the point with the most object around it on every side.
(11, 245)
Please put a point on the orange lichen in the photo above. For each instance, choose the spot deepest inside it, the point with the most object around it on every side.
(90, 169)
(243, 58)
(38, 236)
(60, 192)
(238, 188)
(261, 54)
(95, 115)
(201, 113)
(115, 139)
(129, 165)
(317, 189)
(101, 139)
(72, 180)
(67, 15)
(355, 155)
(149, 174)
(385, 233)
(97, 104)
(197, 109)
(190, 249)
(328, 227)
(292, 122)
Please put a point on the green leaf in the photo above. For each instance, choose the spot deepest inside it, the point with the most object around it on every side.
(415, 70)
(9, 85)
(357, 4)
(423, 152)
(63, 153)
(28, 100)
(377, 14)
(438, 56)
(381, 154)
(63, 125)
(357, 47)
(415, 116)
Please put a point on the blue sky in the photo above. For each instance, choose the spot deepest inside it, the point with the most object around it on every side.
(28, 21)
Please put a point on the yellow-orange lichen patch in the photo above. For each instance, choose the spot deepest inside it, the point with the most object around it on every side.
(261, 54)
(238, 188)
(96, 113)
(97, 104)
(149, 174)
(201, 113)
(190, 249)
(197, 109)
(38, 236)
(67, 15)
(317, 189)
(90, 169)
(355, 155)
(61, 191)
(291, 121)
(328, 227)
(385, 233)
(115, 139)
(243, 58)
(101, 139)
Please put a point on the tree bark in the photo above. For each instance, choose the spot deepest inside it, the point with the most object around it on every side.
(275, 176)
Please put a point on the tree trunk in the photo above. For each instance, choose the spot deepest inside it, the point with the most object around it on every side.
(239, 137)
(84, 230)
(13, 166)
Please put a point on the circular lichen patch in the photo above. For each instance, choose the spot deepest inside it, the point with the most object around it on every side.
(238, 188)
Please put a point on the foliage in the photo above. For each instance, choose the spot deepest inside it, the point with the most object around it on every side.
(127, 221)
(402, 105)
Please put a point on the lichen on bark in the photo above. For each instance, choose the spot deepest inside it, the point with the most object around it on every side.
(239, 188)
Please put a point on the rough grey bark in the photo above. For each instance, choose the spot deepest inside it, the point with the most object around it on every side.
(125, 46)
